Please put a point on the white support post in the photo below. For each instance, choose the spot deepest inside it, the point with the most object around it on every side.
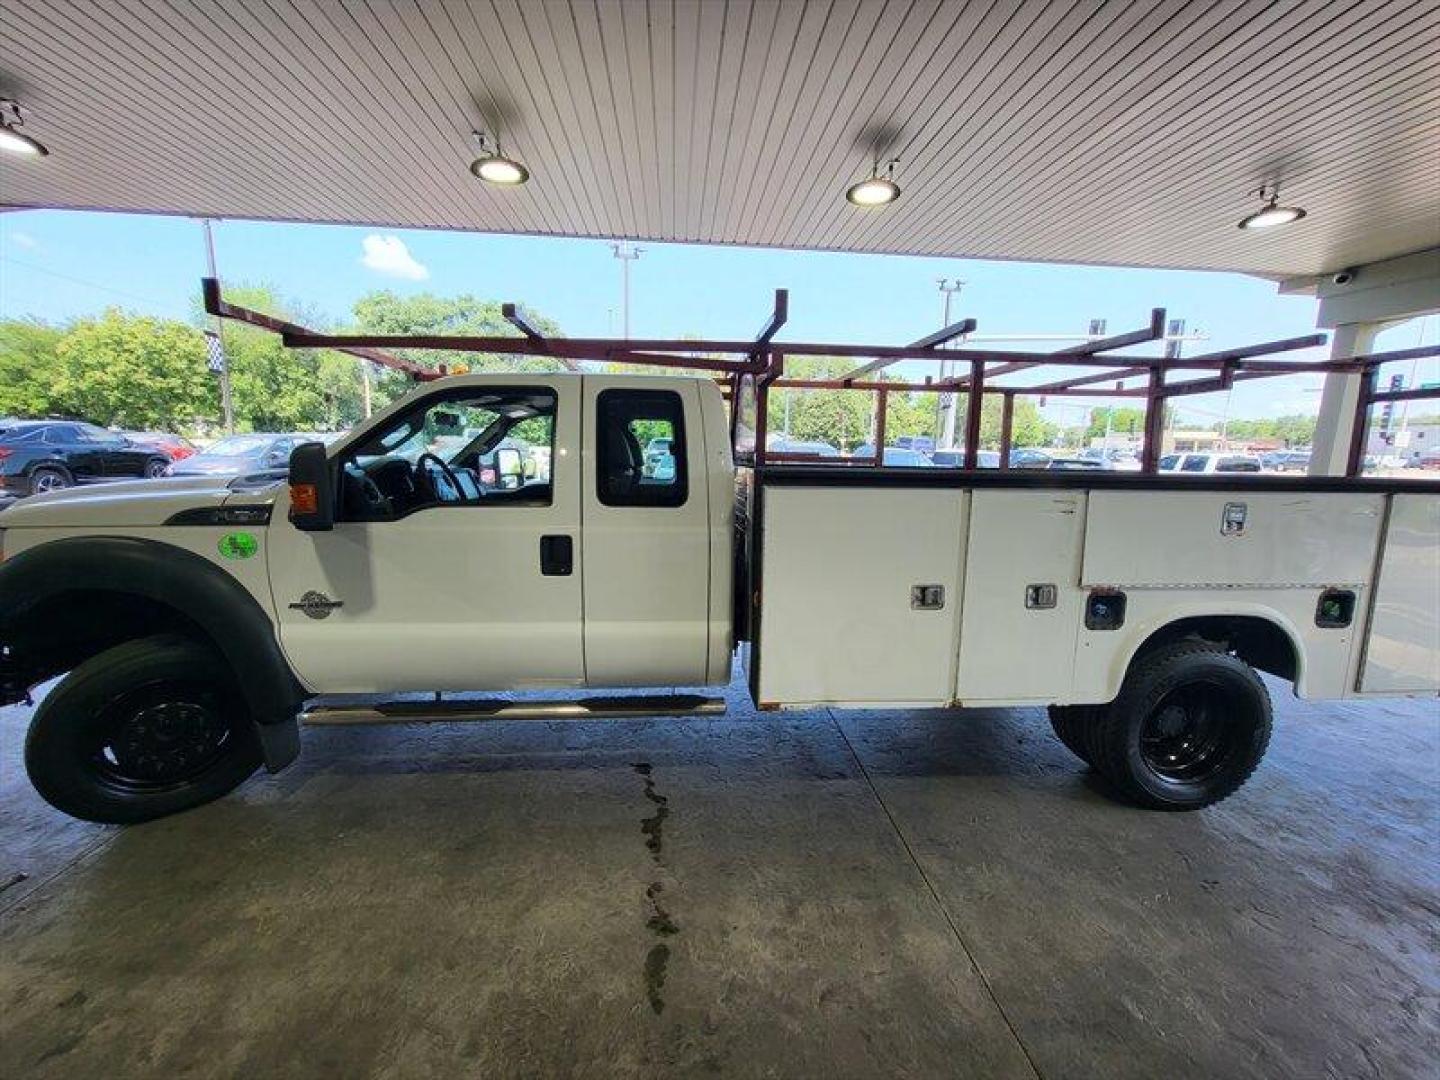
(1357, 303)
(1335, 425)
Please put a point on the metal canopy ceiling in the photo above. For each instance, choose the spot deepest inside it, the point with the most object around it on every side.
(1124, 133)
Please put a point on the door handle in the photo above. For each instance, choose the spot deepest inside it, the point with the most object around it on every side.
(557, 556)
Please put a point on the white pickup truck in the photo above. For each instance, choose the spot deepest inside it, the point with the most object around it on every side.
(554, 532)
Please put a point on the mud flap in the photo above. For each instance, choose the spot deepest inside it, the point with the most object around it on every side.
(279, 743)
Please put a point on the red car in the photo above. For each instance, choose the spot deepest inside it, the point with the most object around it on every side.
(172, 446)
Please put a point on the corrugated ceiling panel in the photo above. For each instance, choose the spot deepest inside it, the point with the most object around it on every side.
(1128, 133)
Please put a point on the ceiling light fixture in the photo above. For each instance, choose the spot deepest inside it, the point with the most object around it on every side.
(1271, 214)
(11, 138)
(494, 167)
(877, 190)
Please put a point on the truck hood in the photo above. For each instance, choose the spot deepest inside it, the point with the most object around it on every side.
(135, 503)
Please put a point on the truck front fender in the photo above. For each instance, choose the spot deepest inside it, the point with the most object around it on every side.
(65, 600)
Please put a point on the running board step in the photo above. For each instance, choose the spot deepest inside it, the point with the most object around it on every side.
(476, 710)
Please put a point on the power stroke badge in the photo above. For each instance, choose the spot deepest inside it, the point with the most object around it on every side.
(316, 605)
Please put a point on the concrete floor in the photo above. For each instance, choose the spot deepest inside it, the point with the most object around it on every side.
(800, 895)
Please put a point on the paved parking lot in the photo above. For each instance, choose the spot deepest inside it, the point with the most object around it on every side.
(780, 895)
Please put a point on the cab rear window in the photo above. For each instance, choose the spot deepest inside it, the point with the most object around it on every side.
(640, 448)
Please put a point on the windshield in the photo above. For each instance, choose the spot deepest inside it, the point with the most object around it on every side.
(239, 445)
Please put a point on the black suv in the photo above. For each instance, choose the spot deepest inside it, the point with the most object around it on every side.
(47, 455)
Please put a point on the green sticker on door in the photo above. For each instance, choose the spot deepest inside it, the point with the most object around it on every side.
(238, 545)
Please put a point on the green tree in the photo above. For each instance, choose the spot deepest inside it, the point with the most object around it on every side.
(133, 371)
(272, 388)
(28, 367)
(388, 313)
(1124, 420)
(1292, 430)
(842, 418)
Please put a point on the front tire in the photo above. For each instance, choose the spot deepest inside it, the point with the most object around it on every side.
(142, 730)
(1189, 726)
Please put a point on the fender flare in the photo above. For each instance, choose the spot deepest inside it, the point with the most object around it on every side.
(181, 580)
(1248, 609)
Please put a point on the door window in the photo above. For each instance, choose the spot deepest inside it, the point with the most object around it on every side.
(476, 446)
(640, 448)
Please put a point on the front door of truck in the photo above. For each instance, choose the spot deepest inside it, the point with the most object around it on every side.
(454, 561)
(647, 533)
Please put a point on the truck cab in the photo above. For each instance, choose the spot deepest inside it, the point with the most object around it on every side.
(510, 532)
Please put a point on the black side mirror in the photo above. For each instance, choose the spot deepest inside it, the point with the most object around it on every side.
(312, 489)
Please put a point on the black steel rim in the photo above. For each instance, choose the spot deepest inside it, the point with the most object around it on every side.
(1194, 732)
(159, 737)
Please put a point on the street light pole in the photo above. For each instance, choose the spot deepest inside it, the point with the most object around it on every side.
(226, 404)
(947, 433)
(626, 254)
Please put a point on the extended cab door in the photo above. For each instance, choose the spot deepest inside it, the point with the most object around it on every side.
(647, 536)
(448, 576)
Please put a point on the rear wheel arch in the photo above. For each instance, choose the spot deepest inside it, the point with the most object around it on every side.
(1264, 640)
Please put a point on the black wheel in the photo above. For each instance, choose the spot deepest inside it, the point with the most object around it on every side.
(142, 730)
(1071, 724)
(1189, 726)
(155, 469)
(48, 478)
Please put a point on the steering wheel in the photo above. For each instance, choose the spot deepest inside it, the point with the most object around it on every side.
(450, 477)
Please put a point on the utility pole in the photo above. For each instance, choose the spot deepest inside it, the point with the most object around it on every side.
(226, 404)
(626, 253)
(945, 433)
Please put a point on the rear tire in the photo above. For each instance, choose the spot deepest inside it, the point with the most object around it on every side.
(1189, 726)
(48, 478)
(155, 469)
(145, 729)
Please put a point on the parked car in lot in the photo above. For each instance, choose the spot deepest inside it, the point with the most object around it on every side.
(1121, 459)
(1288, 461)
(1076, 463)
(955, 459)
(1024, 458)
(236, 455)
(174, 447)
(659, 459)
(802, 446)
(922, 443)
(901, 456)
(37, 456)
(1208, 464)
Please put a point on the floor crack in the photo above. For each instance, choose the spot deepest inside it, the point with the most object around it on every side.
(659, 923)
(935, 896)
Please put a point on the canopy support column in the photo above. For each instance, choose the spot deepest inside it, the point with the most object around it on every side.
(1335, 425)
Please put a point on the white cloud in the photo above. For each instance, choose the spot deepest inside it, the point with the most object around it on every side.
(389, 255)
(24, 240)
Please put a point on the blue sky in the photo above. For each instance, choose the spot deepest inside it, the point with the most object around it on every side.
(58, 266)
